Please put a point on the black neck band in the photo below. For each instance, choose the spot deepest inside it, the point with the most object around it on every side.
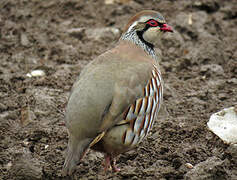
(140, 35)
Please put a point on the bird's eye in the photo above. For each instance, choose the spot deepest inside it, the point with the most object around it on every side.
(152, 22)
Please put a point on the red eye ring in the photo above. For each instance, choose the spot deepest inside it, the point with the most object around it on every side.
(152, 22)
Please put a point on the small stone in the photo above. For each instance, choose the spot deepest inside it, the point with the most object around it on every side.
(189, 165)
(36, 73)
(109, 1)
(26, 142)
(190, 21)
(9, 165)
(215, 68)
(77, 32)
(24, 40)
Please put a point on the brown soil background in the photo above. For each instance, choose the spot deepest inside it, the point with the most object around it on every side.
(199, 65)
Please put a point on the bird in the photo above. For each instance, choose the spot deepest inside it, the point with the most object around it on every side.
(117, 96)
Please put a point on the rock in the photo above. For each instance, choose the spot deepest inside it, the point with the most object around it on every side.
(188, 165)
(36, 73)
(224, 125)
(214, 68)
(212, 168)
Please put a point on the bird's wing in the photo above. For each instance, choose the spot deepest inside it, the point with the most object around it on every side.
(127, 91)
(129, 87)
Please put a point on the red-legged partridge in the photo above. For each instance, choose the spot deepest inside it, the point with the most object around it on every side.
(117, 96)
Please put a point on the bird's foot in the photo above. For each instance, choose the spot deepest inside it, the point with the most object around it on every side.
(107, 164)
(110, 163)
(114, 167)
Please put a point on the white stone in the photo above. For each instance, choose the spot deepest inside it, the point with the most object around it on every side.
(224, 124)
(109, 1)
(189, 165)
(36, 73)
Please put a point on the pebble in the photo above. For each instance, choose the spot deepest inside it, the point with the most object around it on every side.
(189, 165)
(36, 73)
(215, 68)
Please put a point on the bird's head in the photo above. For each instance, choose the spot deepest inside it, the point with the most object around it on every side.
(148, 25)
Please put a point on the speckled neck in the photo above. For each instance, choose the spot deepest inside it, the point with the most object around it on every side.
(133, 37)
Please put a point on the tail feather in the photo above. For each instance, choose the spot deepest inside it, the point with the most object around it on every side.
(75, 151)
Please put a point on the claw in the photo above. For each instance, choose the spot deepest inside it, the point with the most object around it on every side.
(114, 167)
(110, 163)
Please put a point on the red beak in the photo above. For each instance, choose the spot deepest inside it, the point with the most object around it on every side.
(166, 28)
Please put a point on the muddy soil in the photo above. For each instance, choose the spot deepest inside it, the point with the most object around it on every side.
(199, 67)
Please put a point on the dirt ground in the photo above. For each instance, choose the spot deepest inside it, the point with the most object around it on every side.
(199, 67)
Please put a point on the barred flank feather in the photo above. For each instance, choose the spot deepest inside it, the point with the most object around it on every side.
(142, 113)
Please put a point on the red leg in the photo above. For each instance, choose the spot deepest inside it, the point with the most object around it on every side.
(107, 163)
(110, 162)
(84, 153)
